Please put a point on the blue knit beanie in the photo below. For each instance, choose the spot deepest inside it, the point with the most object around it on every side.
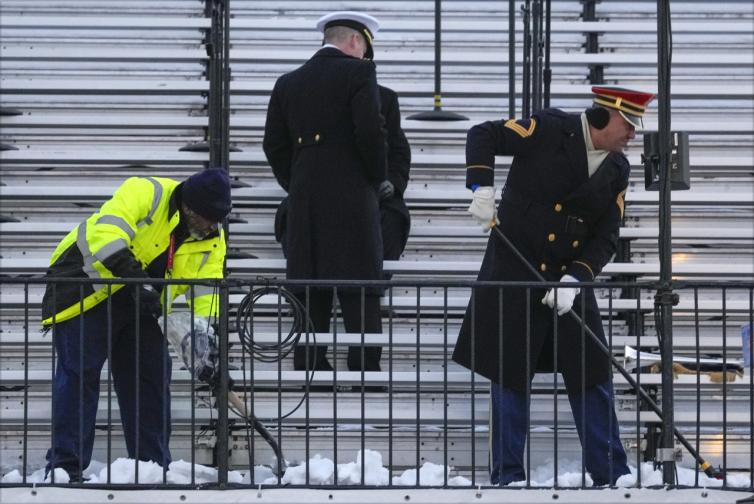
(208, 193)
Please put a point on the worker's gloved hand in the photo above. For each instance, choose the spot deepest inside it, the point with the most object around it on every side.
(210, 373)
(207, 347)
(386, 190)
(566, 295)
(149, 301)
(483, 207)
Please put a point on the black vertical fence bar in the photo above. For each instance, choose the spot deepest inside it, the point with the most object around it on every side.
(638, 386)
(555, 392)
(473, 385)
(307, 404)
(26, 383)
(53, 450)
(362, 356)
(583, 389)
(81, 379)
(495, 422)
(445, 384)
(611, 404)
(308, 373)
(528, 387)
(251, 410)
(334, 305)
(165, 377)
(511, 58)
(750, 350)
(697, 466)
(245, 398)
(222, 393)
(418, 383)
(280, 379)
(109, 381)
(725, 390)
(137, 418)
(192, 381)
(390, 386)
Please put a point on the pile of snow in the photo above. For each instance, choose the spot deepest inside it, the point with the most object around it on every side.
(123, 470)
(322, 472)
(430, 475)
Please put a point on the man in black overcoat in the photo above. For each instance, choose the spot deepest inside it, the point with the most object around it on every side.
(561, 206)
(325, 141)
(396, 221)
(394, 216)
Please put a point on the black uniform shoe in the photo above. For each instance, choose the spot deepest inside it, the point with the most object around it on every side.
(316, 361)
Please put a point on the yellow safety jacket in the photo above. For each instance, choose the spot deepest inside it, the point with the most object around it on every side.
(138, 216)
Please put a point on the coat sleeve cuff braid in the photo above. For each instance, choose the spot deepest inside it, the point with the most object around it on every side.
(581, 271)
(481, 175)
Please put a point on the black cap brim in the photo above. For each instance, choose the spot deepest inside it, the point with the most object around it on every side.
(633, 120)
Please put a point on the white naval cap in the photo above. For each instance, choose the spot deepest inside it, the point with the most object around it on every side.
(362, 23)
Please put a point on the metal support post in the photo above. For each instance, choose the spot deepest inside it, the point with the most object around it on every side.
(596, 72)
(437, 113)
(665, 298)
(222, 392)
(215, 85)
(225, 135)
(536, 59)
(511, 58)
(547, 72)
(526, 64)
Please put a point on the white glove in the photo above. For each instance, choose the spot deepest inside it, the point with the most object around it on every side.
(483, 207)
(566, 296)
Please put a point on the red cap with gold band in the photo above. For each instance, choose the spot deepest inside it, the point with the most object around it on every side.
(630, 104)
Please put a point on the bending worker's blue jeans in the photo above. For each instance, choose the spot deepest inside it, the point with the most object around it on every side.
(600, 441)
(143, 396)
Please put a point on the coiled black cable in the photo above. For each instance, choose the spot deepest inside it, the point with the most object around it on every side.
(277, 351)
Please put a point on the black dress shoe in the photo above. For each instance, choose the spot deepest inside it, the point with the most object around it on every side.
(73, 477)
(371, 361)
(311, 358)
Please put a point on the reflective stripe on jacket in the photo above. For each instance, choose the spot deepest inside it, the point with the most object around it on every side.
(135, 217)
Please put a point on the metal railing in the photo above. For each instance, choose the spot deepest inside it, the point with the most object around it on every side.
(420, 407)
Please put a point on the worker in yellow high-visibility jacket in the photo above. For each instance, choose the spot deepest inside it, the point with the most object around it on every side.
(150, 228)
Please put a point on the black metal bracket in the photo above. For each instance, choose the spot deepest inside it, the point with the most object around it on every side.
(665, 296)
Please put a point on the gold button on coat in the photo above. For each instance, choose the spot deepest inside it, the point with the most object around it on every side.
(300, 139)
(551, 237)
(575, 243)
(543, 267)
(558, 207)
(316, 137)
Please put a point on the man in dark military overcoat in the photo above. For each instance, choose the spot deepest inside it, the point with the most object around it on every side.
(396, 221)
(325, 142)
(561, 206)
(395, 217)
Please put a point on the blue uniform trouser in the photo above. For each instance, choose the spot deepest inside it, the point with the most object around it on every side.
(81, 344)
(594, 414)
